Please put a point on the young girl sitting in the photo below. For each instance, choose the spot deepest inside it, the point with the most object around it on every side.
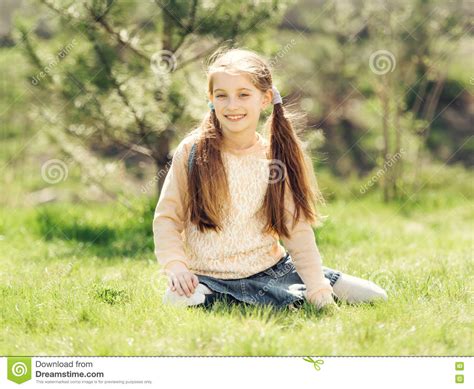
(231, 195)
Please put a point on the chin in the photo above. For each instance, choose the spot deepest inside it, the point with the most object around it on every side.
(235, 129)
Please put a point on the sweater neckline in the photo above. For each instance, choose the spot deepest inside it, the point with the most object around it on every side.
(258, 145)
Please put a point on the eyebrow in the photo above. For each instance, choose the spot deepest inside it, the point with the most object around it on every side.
(215, 90)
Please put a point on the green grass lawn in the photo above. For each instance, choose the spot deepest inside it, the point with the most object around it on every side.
(82, 280)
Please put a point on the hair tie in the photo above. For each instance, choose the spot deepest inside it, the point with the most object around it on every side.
(210, 105)
(276, 96)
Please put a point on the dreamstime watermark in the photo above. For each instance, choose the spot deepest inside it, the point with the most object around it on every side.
(274, 274)
(282, 52)
(254, 299)
(54, 171)
(55, 276)
(385, 279)
(60, 55)
(381, 172)
(277, 171)
(19, 369)
(382, 62)
(162, 62)
(145, 188)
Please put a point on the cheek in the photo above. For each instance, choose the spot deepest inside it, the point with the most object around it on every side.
(253, 113)
(254, 110)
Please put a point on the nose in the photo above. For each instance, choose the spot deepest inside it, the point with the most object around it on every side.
(232, 103)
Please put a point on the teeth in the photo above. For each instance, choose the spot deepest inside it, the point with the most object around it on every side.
(235, 116)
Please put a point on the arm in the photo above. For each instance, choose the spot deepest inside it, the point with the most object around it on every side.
(169, 218)
(306, 256)
(307, 260)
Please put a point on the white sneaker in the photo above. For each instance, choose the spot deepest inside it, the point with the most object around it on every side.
(198, 297)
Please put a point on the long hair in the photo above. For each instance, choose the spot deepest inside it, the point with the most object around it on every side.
(207, 182)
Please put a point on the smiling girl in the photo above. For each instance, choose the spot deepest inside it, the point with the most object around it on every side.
(235, 214)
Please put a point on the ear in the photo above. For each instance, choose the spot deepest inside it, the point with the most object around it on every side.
(267, 99)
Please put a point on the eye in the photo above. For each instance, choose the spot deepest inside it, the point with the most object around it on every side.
(218, 96)
(244, 94)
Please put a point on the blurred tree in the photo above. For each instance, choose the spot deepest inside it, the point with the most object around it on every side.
(373, 80)
(411, 43)
(121, 83)
(7, 8)
(326, 68)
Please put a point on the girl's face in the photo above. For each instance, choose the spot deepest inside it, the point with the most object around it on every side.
(237, 102)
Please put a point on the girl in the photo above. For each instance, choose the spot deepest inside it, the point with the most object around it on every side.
(231, 195)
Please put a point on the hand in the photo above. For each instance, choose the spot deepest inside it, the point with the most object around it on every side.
(323, 299)
(180, 279)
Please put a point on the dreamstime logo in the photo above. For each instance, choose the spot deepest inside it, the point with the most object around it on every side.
(19, 369)
(56, 275)
(272, 276)
(384, 278)
(277, 171)
(254, 299)
(282, 52)
(381, 172)
(162, 172)
(158, 278)
(163, 61)
(60, 55)
(382, 62)
(54, 171)
(152, 183)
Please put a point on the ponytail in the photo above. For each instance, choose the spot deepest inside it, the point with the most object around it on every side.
(286, 153)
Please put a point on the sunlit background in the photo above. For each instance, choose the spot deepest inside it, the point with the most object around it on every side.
(95, 96)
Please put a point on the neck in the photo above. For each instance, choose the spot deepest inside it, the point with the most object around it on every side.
(241, 140)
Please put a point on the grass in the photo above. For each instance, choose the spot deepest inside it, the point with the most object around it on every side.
(82, 280)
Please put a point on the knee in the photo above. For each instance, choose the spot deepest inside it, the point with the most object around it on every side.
(375, 292)
(357, 290)
(198, 297)
(378, 292)
(173, 298)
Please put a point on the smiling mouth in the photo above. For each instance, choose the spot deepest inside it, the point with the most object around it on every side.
(235, 118)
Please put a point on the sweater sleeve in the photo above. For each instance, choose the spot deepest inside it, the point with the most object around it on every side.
(302, 247)
(169, 217)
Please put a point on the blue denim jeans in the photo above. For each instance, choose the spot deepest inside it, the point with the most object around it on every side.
(278, 286)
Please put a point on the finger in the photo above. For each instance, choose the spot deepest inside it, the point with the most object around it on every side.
(172, 279)
(184, 285)
(179, 290)
(189, 282)
(177, 286)
(195, 280)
